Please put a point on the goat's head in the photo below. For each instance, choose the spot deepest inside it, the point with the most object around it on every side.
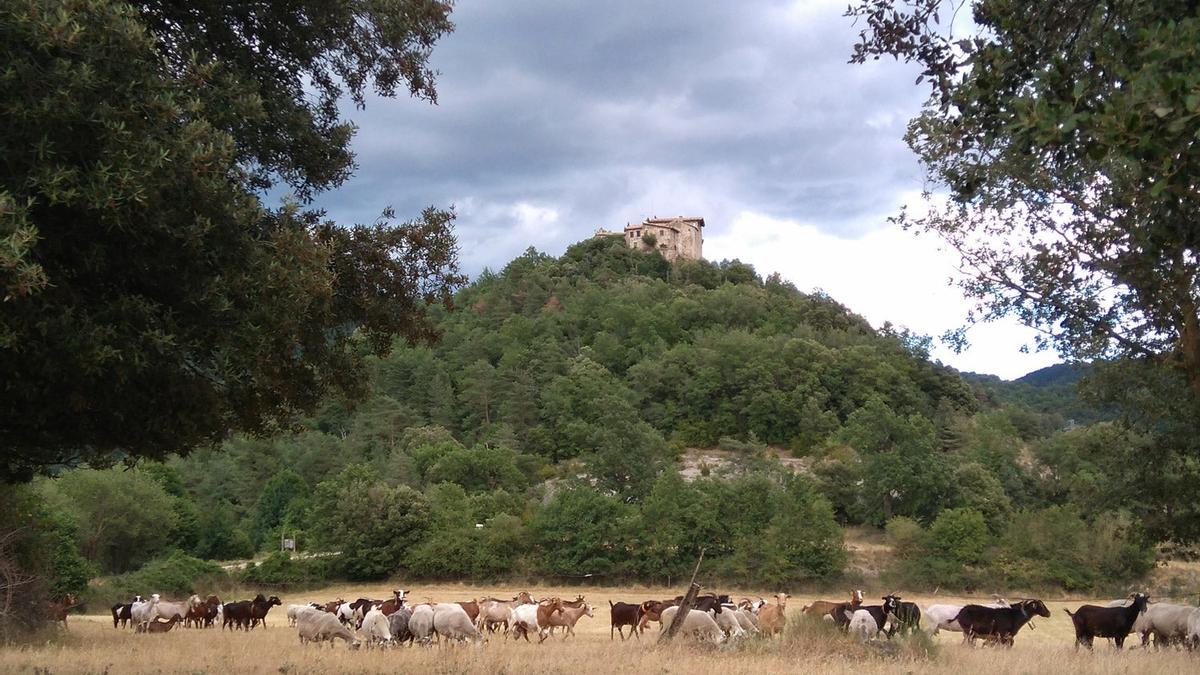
(1033, 606)
(1140, 600)
(856, 596)
(891, 603)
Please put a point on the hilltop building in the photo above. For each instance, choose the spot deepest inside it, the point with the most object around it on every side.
(678, 237)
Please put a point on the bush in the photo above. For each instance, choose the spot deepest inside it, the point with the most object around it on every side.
(282, 570)
(944, 555)
(959, 535)
(1057, 547)
(907, 537)
(176, 575)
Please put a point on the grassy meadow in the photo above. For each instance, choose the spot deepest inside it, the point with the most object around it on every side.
(92, 645)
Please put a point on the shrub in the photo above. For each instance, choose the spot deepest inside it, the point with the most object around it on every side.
(1057, 547)
(943, 555)
(907, 537)
(281, 569)
(176, 575)
(959, 535)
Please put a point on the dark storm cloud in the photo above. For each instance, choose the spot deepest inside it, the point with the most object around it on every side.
(556, 117)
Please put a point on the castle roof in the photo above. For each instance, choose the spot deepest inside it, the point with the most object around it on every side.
(672, 223)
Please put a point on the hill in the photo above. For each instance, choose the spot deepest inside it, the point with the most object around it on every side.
(1053, 390)
(606, 414)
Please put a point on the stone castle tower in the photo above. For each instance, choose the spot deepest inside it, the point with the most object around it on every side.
(678, 237)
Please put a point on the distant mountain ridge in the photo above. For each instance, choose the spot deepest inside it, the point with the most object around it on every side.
(1052, 390)
(1055, 375)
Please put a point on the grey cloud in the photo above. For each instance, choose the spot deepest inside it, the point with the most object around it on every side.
(603, 113)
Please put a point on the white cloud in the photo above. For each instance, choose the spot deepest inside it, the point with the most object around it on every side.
(885, 275)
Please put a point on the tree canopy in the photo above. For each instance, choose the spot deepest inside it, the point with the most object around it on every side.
(1064, 135)
(149, 301)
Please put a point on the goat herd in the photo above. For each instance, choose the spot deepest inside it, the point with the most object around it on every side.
(714, 618)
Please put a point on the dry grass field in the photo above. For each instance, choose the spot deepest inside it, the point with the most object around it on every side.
(91, 645)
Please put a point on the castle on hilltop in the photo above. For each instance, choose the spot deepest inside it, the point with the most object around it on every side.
(678, 237)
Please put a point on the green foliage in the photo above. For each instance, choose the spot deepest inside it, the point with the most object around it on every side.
(1090, 106)
(678, 519)
(144, 281)
(1057, 547)
(41, 540)
(120, 516)
(906, 536)
(283, 570)
(591, 415)
(949, 554)
(465, 540)
(903, 471)
(67, 571)
(960, 535)
(177, 575)
(1047, 548)
(478, 469)
(219, 537)
(983, 493)
(802, 542)
(566, 376)
(279, 496)
(581, 532)
(1065, 137)
(369, 523)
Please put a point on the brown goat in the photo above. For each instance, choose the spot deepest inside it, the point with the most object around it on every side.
(544, 611)
(772, 617)
(471, 607)
(159, 626)
(652, 611)
(57, 610)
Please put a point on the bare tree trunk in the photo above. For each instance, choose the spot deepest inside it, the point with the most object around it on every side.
(1189, 342)
(689, 599)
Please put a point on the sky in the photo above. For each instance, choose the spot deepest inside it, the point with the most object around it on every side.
(558, 117)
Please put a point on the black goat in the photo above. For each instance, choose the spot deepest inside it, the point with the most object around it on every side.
(1092, 621)
(998, 623)
(906, 618)
(878, 612)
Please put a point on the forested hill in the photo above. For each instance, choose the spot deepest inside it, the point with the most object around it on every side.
(1053, 391)
(624, 342)
(541, 435)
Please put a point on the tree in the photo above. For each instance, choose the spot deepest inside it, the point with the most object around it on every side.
(1063, 134)
(481, 468)
(370, 523)
(801, 542)
(591, 414)
(219, 536)
(677, 520)
(150, 303)
(903, 473)
(121, 517)
(582, 532)
(278, 495)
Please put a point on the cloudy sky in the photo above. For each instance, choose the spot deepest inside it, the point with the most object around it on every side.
(557, 117)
